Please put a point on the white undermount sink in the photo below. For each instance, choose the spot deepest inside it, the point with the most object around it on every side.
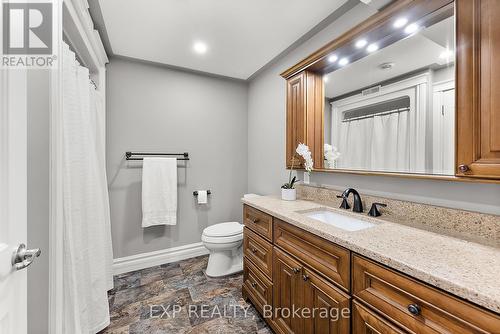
(343, 222)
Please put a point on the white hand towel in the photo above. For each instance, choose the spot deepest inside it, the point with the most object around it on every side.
(202, 197)
(159, 191)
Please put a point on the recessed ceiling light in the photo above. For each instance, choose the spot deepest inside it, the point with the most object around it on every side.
(333, 58)
(343, 61)
(372, 47)
(410, 29)
(361, 43)
(200, 47)
(401, 22)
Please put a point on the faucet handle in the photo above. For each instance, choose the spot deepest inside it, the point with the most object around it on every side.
(374, 209)
(344, 204)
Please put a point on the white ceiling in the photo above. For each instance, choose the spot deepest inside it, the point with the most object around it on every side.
(241, 35)
(418, 51)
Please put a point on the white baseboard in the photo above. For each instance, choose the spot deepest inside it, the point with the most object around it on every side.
(145, 260)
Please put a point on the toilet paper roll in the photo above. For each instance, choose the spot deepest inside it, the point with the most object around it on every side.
(202, 197)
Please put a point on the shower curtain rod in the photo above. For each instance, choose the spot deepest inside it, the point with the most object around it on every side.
(384, 113)
(128, 155)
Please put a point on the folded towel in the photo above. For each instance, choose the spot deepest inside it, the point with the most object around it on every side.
(159, 191)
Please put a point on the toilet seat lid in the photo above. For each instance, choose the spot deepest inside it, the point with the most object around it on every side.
(223, 229)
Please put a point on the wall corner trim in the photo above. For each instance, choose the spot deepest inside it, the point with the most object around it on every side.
(145, 260)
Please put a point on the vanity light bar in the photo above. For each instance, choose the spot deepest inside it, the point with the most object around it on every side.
(392, 31)
(400, 23)
(333, 58)
(344, 61)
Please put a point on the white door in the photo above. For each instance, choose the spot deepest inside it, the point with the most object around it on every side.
(443, 129)
(13, 207)
(449, 131)
(13, 199)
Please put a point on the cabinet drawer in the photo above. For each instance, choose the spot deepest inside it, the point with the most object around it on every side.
(259, 251)
(330, 260)
(416, 306)
(365, 321)
(257, 286)
(258, 221)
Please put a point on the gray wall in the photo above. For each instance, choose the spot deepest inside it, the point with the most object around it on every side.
(266, 140)
(157, 109)
(38, 199)
(266, 108)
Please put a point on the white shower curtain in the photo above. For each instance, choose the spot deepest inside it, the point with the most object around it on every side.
(380, 143)
(87, 235)
(391, 141)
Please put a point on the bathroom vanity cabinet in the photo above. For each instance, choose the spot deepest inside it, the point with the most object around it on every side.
(287, 268)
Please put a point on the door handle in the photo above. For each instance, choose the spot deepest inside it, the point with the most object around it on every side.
(23, 257)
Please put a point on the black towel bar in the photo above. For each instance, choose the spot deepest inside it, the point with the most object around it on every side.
(195, 193)
(128, 155)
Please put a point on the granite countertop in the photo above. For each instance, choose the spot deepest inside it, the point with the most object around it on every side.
(463, 268)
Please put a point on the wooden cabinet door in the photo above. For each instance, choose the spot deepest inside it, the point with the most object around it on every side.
(295, 117)
(305, 117)
(364, 321)
(287, 292)
(478, 87)
(331, 307)
(315, 114)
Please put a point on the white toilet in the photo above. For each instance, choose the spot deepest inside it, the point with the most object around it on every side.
(224, 241)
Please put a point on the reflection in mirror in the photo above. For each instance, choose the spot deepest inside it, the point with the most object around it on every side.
(393, 108)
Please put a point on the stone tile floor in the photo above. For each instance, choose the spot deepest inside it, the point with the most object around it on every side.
(145, 301)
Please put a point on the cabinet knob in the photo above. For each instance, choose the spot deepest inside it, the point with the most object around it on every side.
(296, 270)
(463, 168)
(254, 250)
(414, 309)
(255, 221)
(305, 277)
(254, 284)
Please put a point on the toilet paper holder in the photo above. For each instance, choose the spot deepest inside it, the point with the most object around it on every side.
(195, 193)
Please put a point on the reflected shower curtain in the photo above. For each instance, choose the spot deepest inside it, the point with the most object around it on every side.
(379, 143)
(87, 235)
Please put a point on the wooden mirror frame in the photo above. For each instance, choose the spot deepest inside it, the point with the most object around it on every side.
(477, 77)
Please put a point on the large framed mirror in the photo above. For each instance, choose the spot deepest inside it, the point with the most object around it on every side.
(390, 98)
(409, 92)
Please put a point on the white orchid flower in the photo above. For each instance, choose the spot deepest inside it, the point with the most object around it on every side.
(331, 155)
(304, 152)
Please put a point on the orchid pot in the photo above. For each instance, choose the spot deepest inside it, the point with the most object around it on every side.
(289, 194)
(288, 191)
